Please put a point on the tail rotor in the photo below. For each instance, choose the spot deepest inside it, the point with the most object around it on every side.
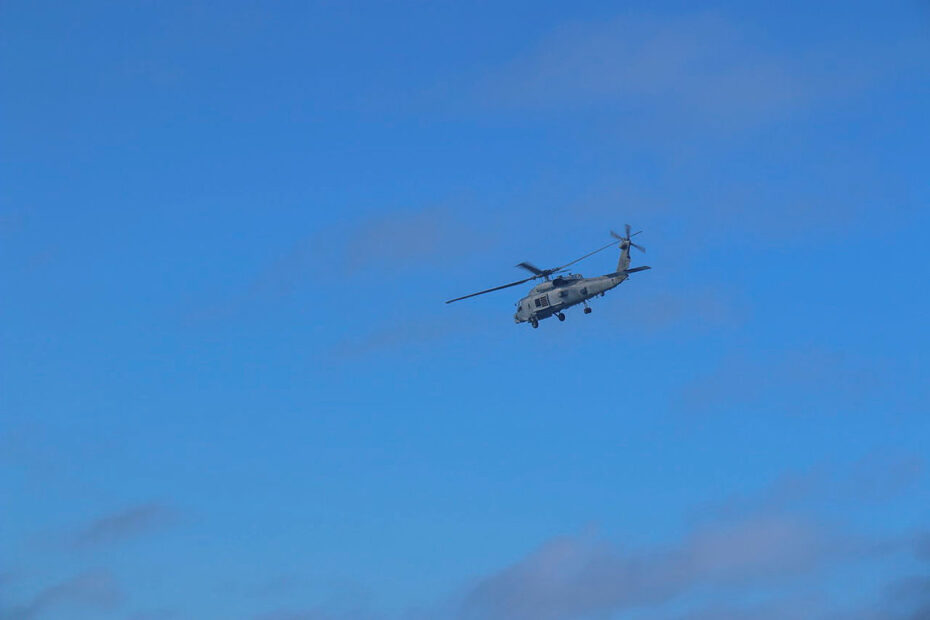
(627, 240)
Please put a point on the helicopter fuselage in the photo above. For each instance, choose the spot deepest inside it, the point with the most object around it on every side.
(552, 296)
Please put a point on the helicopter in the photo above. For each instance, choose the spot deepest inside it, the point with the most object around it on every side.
(551, 297)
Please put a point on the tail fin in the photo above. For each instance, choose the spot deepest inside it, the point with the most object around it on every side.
(624, 262)
(625, 244)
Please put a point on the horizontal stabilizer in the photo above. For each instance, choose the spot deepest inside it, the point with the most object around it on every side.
(626, 272)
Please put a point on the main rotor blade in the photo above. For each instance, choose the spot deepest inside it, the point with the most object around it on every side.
(600, 249)
(531, 268)
(496, 288)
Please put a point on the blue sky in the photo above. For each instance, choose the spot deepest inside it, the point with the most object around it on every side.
(230, 388)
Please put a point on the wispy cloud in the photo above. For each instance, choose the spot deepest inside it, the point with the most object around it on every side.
(12, 220)
(754, 544)
(316, 613)
(877, 478)
(388, 245)
(124, 525)
(576, 576)
(336, 598)
(389, 242)
(89, 591)
(159, 614)
(701, 65)
(406, 333)
(805, 377)
(703, 308)
(810, 606)
(906, 599)
(408, 237)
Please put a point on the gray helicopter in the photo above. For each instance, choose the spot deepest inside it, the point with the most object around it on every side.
(551, 297)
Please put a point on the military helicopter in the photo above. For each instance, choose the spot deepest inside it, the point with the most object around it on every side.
(551, 297)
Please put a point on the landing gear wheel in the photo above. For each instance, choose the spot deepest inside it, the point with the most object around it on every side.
(534, 323)
(561, 316)
(587, 310)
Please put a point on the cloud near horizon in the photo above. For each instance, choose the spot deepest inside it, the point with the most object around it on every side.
(758, 543)
(579, 576)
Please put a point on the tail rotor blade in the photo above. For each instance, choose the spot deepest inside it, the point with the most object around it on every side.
(628, 235)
